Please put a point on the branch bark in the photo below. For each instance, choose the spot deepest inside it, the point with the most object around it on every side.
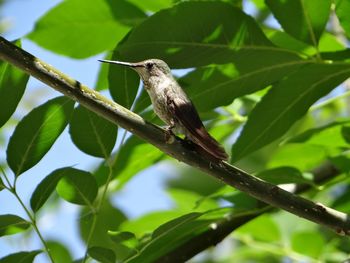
(233, 176)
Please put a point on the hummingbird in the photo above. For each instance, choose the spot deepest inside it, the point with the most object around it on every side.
(173, 106)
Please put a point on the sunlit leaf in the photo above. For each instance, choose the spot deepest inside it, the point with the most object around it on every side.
(77, 186)
(135, 156)
(308, 20)
(308, 243)
(37, 132)
(12, 224)
(286, 103)
(82, 28)
(91, 133)
(59, 252)
(12, 85)
(283, 175)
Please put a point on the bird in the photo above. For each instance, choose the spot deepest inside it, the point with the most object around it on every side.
(172, 105)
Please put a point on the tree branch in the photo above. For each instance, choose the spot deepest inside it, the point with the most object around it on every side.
(264, 191)
(226, 226)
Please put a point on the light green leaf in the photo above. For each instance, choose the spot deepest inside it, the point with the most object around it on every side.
(12, 224)
(283, 175)
(286, 103)
(82, 28)
(21, 257)
(331, 135)
(342, 9)
(91, 133)
(45, 188)
(101, 254)
(308, 243)
(12, 85)
(59, 252)
(77, 186)
(301, 156)
(123, 237)
(308, 19)
(37, 132)
(135, 156)
(269, 233)
(153, 5)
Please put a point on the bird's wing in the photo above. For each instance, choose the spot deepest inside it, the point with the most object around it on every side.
(186, 114)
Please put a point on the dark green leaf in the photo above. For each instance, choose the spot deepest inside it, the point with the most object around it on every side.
(181, 36)
(45, 188)
(101, 254)
(12, 224)
(2, 186)
(123, 83)
(59, 252)
(77, 186)
(121, 236)
(36, 133)
(342, 10)
(12, 85)
(21, 257)
(345, 131)
(134, 157)
(286, 103)
(283, 175)
(342, 162)
(308, 243)
(308, 20)
(82, 28)
(91, 133)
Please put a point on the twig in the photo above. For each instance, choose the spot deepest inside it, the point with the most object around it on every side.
(266, 192)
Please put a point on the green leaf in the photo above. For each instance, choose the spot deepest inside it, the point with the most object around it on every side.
(308, 243)
(37, 132)
(91, 133)
(301, 156)
(77, 187)
(12, 224)
(180, 36)
(101, 254)
(123, 83)
(82, 28)
(286, 103)
(331, 135)
(342, 9)
(135, 156)
(12, 85)
(175, 233)
(46, 187)
(153, 5)
(123, 237)
(21, 257)
(283, 175)
(342, 162)
(308, 19)
(59, 252)
(109, 219)
(269, 233)
(2, 185)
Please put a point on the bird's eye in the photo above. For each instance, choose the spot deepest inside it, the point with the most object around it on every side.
(149, 65)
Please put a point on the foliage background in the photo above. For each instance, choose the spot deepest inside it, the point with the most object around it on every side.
(296, 63)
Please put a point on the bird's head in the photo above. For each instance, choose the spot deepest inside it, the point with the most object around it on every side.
(147, 68)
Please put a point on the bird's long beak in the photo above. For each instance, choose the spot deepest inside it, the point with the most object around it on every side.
(133, 65)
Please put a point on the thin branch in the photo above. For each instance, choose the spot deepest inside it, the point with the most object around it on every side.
(266, 192)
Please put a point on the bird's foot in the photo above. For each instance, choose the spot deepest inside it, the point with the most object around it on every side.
(169, 135)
